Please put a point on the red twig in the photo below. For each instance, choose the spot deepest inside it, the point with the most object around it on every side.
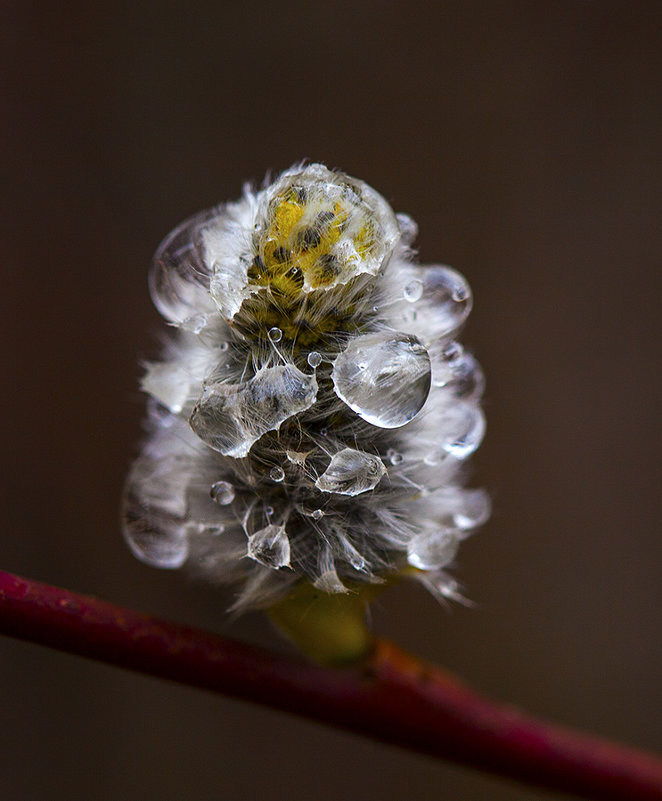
(393, 697)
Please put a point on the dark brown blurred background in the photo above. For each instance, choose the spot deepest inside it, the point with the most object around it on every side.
(525, 140)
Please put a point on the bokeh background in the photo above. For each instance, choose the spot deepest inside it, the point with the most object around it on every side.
(525, 140)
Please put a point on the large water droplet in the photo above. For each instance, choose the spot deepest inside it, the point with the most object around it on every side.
(275, 334)
(230, 418)
(351, 472)
(384, 378)
(222, 492)
(179, 278)
(429, 551)
(270, 547)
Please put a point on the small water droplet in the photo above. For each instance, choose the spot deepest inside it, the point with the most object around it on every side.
(429, 551)
(394, 457)
(413, 291)
(270, 547)
(268, 511)
(275, 334)
(222, 492)
(277, 474)
(462, 429)
(194, 324)
(223, 346)
(408, 228)
(351, 472)
(464, 509)
(385, 378)
(458, 374)
(314, 358)
(449, 295)
(317, 514)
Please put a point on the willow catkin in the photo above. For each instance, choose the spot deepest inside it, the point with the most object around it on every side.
(312, 412)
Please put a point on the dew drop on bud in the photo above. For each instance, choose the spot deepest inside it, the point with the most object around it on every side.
(385, 378)
(277, 474)
(429, 551)
(351, 472)
(314, 358)
(394, 457)
(448, 293)
(270, 547)
(222, 492)
(413, 291)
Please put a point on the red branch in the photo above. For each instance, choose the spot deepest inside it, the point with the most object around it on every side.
(393, 697)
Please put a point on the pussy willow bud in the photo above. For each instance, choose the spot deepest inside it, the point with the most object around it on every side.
(312, 412)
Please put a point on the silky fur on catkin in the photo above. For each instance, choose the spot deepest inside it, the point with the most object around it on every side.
(312, 412)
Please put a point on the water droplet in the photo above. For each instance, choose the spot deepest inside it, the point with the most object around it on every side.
(268, 511)
(351, 472)
(457, 373)
(462, 428)
(270, 547)
(314, 358)
(224, 346)
(159, 542)
(450, 296)
(394, 457)
(317, 514)
(394, 383)
(222, 492)
(179, 278)
(413, 291)
(408, 228)
(195, 323)
(275, 334)
(231, 417)
(463, 509)
(277, 474)
(154, 506)
(429, 551)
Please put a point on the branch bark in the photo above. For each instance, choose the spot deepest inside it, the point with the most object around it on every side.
(392, 697)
